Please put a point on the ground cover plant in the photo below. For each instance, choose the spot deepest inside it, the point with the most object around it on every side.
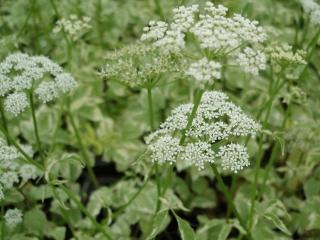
(149, 119)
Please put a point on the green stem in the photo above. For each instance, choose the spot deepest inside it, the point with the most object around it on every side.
(4, 120)
(226, 193)
(151, 121)
(35, 125)
(196, 104)
(159, 10)
(123, 207)
(68, 42)
(158, 187)
(2, 222)
(150, 108)
(258, 163)
(24, 154)
(84, 154)
(273, 156)
(64, 213)
(85, 211)
(12, 141)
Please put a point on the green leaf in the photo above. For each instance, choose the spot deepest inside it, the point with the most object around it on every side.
(57, 233)
(186, 232)
(277, 222)
(160, 222)
(35, 221)
(224, 232)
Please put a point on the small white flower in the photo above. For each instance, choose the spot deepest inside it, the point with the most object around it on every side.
(251, 61)
(47, 91)
(1, 193)
(73, 26)
(198, 154)
(13, 217)
(283, 53)
(20, 74)
(65, 82)
(28, 172)
(205, 72)
(8, 179)
(234, 157)
(16, 103)
(7, 152)
(312, 8)
(154, 31)
(217, 121)
(165, 149)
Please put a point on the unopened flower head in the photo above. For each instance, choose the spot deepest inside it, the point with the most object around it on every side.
(204, 72)
(73, 26)
(251, 61)
(13, 217)
(217, 120)
(283, 54)
(21, 74)
(138, 63)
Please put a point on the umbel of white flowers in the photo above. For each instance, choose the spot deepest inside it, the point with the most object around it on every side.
(73, 26)
(216, 35)
(12, 169)
(312, 8)
(13, 217)
(217, 123)
(21, 74)
(136, 64)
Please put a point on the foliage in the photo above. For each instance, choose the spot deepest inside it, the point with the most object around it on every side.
(149, 119)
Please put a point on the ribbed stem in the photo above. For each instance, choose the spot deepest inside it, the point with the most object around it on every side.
(159, 9)
(4, 120)
(35, 125)
(276, 88)
(196, 104)
(151, 122)
(226, 193)
(84, 154)
(2, 222)
(85, 211)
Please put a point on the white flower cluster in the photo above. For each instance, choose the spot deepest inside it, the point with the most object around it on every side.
(216, 34)
(312, 8)
(234, 157)
(205, 72)
(217, 121)
(171, 36)
(73, 26)
(213, 29)
(12, 169)
(20, 74)
(137, 63)
(251, 61)
(13, 217)
(283, 54)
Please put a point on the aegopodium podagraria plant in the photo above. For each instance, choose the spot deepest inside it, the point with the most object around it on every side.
(210, 138)
(23, 76)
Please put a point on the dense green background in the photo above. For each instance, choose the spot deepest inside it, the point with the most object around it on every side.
(113, 122)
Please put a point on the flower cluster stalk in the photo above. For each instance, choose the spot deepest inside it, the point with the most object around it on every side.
(83, 151)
